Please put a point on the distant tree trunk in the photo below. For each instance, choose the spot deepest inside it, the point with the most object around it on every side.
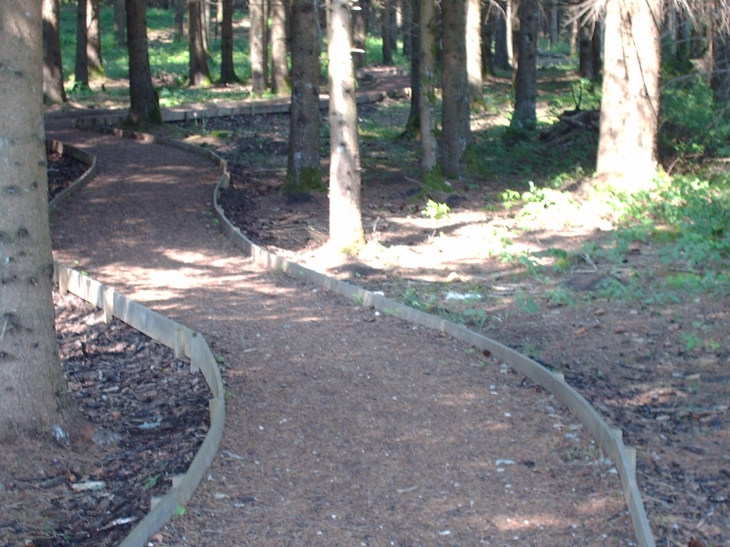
(359, 32)
(525, 115)
(407, 27)
(554, 24)
(144, 105)
(93, 41)
(120, 24)
(487, 39)
(430, 170)
(53, 91)
(413, 125)
(279, 65)
(346, 232)
(630, 103)
(597, 51)
(205, 23)
(35, 395)
(474, 48)
(180, 7)
(455, 132)
(720, 79)
(228, 71)
(257, 52)
(386, 27)
(501, 53)
(303, 171)
(585, 50)
(81, 70)
(198, 60)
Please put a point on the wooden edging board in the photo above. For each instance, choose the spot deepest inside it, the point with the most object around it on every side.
(186, 343)
(78, 184)
(609, 439)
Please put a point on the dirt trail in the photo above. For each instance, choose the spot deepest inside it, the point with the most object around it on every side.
(344, 427)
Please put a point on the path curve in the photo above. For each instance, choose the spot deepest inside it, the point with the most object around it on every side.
(344, 427)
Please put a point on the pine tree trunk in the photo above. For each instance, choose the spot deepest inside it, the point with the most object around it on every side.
(120, 23)
(720, 79)
(585, 51)
(407, 27)
(256, 46)
(179, 19)
(386, 27)
(345, 229)
(303, 166)
(198, 60)
(630, 103)
(474, 48)
(597, 51)
(279, 66)
(430, 170)
(35, 395)
(455, 132)
(487, 39)
(525, 115)
(144, 105)
(81, 69)
(228, 71)
(93, 40)
(359, 32)
(53, 91)
(554, 24)
(413, 125)
(205, 23)
(501, 53)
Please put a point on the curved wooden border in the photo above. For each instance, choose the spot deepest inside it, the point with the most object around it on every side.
(76, 153)
(609, 439)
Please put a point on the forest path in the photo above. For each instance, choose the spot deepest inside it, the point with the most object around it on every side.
(344, 426)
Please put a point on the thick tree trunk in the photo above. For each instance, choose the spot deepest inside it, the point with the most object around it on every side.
(386, 30)
(413, 125)
(346, 232)
(120, 23)
(53, 91)
(144, 105)
(430, 170)
(81, 68)
(501, 53)
(303, 167)
(256, 46)
(35, 395)
(474, 48)
(455, 131)
(279, 66)
(198, 60)
(228, 71)
(205, 23)
(359, 32)
(525, 115)
(630, 104)
(93, 40)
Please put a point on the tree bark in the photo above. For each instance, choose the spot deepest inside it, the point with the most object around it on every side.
(144, 105)
(228, 71)
(346, 232)
(585, 50)
(501, 54)
(303, 166)
(525, 115)
(720, 79)
(487, 39)
(430, 170)
(630, 103)
(359, 32)
(413, 125)
(257, 53)
(386, 31)
(455, 131)
(280, 84)
(407, 27)
(474, 48)
(554, 24)
(120, 23)
(53, 91)
(93, 40)
(35, 395)
(179, 19)
(81, 69)
(198, 59)
(205, 24)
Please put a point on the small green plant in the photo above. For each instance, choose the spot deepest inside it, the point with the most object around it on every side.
(436, 211)
(151, 482)
(528, 305)
(357, 299)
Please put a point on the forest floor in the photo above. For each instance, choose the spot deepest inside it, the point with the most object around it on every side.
(350, 427)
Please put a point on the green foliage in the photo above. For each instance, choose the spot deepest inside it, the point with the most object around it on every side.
(309, 179)
(436, 211)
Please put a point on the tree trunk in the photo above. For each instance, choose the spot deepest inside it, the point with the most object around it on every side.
(487, 39)
(205, 23)
(346, 233)
(413, 125)
(279, 66)
(228, 71)
(53, 91)
(198, 60)
(430, 170)
(303, 171)
(585, 51)
(525, 115)
(474, 48)
(407, 27)
(179, 19)
(597, 51)
(455, 131)
(510, 36)
(359, 32)
(386, 27)
(144, 105)
(501, 54)
(256, 46)
(35, 395)
(720, 79)
(93, 40)
(554, 24)
(81, 70)
(630, 104)
(120, 23)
